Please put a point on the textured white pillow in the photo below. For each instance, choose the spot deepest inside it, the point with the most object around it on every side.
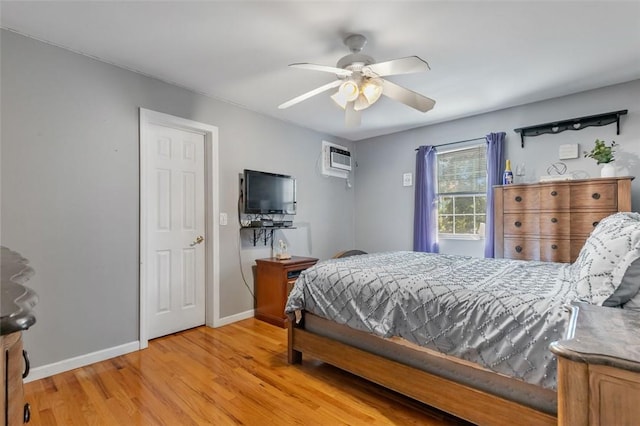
(609, 251)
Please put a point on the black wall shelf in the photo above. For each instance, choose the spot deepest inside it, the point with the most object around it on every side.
(578, 123)
(264, 233)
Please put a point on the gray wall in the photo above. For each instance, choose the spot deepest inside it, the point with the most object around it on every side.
(384, 208)
(70, 184)
(70, 190)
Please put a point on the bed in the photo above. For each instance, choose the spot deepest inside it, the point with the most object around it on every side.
(466, 335)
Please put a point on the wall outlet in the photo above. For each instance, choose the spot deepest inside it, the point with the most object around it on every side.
(223, 219)
(407, 179)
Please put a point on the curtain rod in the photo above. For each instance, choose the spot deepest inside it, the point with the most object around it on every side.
(466, 140)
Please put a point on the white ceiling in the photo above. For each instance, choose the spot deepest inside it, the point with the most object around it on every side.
(484, 55)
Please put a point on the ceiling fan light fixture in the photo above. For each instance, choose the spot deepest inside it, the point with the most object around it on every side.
(339, 99)
(349, 90)
(361, 81)
(371, 90)
(361, 103)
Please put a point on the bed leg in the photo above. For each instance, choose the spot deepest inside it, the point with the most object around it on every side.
(293, 356)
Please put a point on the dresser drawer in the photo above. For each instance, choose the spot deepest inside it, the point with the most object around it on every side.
(576, 246)
(521, 198)
(555, 250)
(521, 223)
(582, 223)
(553, 223)
(555, 197)
(594, 196)
(521, 248)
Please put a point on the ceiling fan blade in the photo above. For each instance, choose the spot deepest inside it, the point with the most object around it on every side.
(309, 94)
(352, 118)
(337, 71)
(406, 96)
(406, 65)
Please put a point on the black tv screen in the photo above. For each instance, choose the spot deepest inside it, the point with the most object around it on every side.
(269, 193)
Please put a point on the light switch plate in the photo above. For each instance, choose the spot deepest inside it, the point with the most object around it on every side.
(407, 179)
(568, 151)
(223, 219)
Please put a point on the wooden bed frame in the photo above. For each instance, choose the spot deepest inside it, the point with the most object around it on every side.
(460, 400)
(578, 395)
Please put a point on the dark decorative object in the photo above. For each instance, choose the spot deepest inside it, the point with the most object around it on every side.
(578, 123)
(17, 300)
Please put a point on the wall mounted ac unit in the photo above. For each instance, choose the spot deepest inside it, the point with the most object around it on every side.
(339, 159)
(336, 160)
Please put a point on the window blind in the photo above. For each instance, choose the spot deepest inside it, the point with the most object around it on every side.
(463, 171)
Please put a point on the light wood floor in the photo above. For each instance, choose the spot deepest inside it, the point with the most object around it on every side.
(235, 374)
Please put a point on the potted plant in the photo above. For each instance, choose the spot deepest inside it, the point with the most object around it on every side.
(603, 154)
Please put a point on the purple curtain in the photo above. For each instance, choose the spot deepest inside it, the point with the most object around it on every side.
(495, 165)
(425, 217)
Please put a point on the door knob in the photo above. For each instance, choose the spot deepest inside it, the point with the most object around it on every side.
(198, 240)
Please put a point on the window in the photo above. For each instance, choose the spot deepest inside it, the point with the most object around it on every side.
(462, 191)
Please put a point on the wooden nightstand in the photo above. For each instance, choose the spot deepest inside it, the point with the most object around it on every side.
(274, 281)
(599, 367)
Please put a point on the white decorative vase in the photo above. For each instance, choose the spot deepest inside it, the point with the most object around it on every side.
(608, 170)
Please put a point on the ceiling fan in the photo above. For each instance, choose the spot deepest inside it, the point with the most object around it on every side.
(360, 83)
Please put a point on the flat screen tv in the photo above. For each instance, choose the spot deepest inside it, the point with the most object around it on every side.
(269, 193)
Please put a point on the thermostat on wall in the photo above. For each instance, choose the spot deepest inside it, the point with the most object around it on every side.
(568, 151)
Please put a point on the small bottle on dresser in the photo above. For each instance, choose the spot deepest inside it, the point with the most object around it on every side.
(507, 177)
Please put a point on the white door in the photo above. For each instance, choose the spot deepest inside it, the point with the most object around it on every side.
(175, 254)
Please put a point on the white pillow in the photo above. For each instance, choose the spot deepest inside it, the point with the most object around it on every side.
(609, 251)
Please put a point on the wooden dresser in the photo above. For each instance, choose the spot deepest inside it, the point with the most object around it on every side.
(551, 221)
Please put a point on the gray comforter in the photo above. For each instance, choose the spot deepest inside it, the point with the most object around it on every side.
(501, 314)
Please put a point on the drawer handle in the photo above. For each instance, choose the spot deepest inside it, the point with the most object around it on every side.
(554, 220)
(554, 193)
(595, 224)
(518, 198)
(554, 247)
(26, 417)
(27, 364)
(518, 224)
(595, 196)
(518, 249)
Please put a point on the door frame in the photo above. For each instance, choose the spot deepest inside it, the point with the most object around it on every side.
(212, 209)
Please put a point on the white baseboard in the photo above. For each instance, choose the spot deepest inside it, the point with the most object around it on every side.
(80, 361)
(232, 318)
